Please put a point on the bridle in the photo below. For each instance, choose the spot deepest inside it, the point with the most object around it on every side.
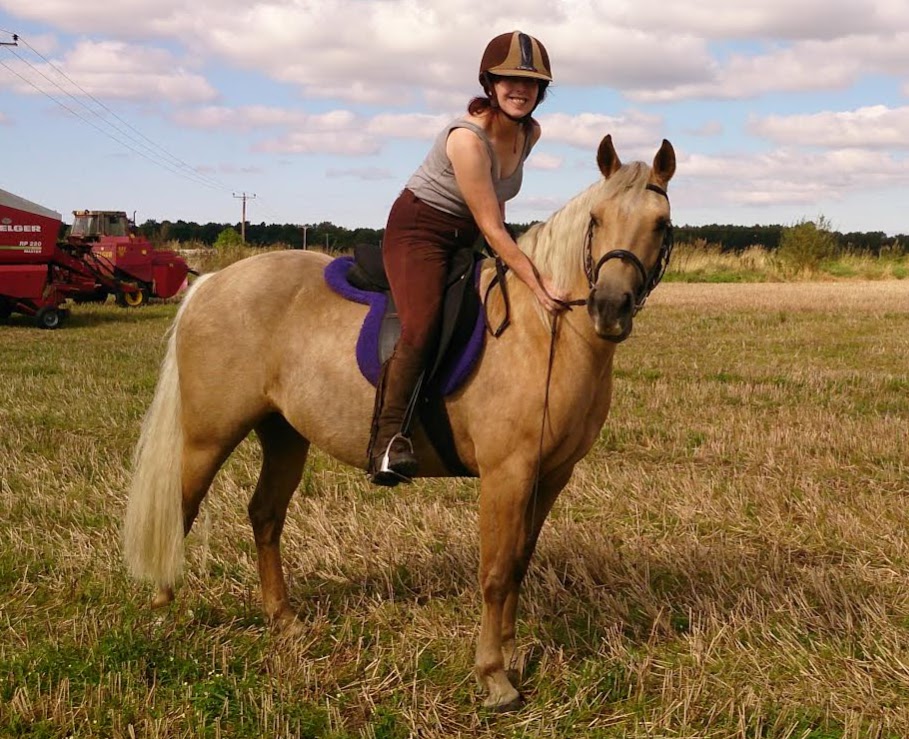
(649, 279)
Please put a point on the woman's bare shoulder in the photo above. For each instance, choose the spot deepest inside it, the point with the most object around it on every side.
(536, 132)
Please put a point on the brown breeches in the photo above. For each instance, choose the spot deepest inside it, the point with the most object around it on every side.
(418, 245)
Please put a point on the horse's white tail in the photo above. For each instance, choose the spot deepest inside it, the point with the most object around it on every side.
(153, 528)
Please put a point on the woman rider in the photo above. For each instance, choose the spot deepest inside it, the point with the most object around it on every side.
(458, 192)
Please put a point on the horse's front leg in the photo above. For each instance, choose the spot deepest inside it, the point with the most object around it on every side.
(537, 510)
(504, 494)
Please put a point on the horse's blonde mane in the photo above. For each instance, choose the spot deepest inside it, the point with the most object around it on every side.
(556, 246)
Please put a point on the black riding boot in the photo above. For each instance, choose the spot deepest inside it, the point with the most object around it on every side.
(391, 457)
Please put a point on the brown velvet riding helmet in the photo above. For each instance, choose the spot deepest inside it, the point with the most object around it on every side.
(515, 54)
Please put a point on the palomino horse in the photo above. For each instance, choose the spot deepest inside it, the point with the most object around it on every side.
(264, 345)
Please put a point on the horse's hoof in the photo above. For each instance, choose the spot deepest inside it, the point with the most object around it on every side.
(516, 704)
(164, 597)
(288, 626)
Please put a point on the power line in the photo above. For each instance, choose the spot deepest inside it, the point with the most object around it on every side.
(176, 166)
(132, 128)
(263, 206)
(82, 118)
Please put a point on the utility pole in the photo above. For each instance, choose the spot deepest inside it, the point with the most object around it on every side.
(13, 43)
(244, 197)
(305, 229)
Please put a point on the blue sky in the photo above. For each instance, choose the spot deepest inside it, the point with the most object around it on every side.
(779, 111)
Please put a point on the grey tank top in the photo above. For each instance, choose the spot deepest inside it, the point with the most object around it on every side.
(434, 181)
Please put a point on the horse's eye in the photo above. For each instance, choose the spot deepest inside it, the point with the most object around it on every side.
(662, 224)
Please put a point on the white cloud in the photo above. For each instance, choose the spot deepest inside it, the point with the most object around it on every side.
(803, 66)
(305, 131)
(255, 117)
(336, 132)
(345, 143)
(129, 17)
(538, 206)
(5, 120)
(345, 132)
(743, 76)
(449, 100)
(588, 129)
(239, 119)
(539, 160)
(369, 174)
(41, 44)
(806, 19)
(234, 169)
(399, 50)
(706, 130)
(405, 22)
(871, 127)
(626, 58)
(110, 70)
(787, 176)
(407, 125)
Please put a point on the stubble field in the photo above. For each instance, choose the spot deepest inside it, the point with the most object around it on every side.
(731, 560)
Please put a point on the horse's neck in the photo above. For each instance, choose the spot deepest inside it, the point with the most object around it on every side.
(556, 246)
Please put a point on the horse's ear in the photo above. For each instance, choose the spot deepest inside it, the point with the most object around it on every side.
(607, 159)
(664, 163)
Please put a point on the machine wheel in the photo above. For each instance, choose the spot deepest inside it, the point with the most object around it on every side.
(133, 300)
(6, 310)
(48, 317)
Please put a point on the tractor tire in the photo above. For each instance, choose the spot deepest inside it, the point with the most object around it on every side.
(48, 317)
(133, 300)
(6, 310)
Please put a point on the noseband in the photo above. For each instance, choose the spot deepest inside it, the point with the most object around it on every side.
(649, 280)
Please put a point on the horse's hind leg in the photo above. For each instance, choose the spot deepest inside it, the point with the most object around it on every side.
(284, 455)
(201, 462)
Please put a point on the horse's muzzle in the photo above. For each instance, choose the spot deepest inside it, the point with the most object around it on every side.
(612, 313)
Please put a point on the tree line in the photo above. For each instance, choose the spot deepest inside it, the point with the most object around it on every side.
(738, 238)
(330, 237)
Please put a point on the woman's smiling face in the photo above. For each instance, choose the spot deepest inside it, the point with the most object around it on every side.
(517, 96)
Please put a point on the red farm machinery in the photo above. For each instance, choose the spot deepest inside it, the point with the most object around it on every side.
(101, 256)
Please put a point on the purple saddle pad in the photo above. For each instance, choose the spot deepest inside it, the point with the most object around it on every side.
(460, 360)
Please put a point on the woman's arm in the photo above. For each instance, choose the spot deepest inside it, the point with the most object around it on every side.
(471, 164)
